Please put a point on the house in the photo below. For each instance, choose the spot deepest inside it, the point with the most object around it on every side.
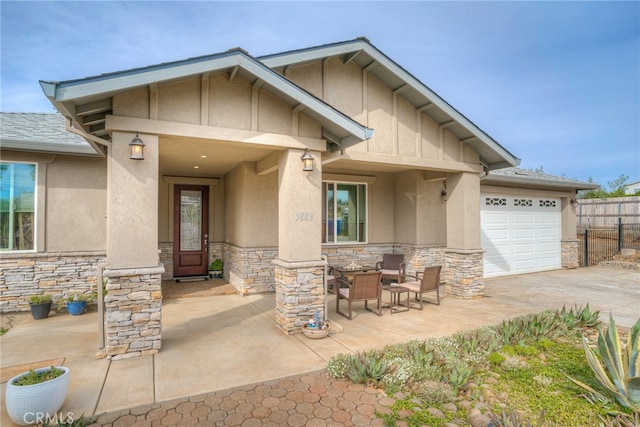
(278, 165)
(633, 188)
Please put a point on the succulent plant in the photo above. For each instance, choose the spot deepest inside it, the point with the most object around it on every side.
(619, 370)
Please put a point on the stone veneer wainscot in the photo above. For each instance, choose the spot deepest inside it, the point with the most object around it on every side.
(25, 274)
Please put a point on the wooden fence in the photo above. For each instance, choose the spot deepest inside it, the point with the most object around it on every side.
(607, 213)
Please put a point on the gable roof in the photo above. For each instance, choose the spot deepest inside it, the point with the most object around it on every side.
(367, 56)
(41, 132)
(88, 100)
(527, 178)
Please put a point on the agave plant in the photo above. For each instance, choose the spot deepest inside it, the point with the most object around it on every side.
(459, 375)
(512, 419)
(367, 367)
(619, 371)
(579, 317)
(420, 355)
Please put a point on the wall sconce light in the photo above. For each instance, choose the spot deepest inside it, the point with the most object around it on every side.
(137, 148)
(307, 161)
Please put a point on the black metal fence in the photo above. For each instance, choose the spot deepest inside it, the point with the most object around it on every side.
(602, 244)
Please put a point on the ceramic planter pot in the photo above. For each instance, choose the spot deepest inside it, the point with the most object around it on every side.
(76, 308)
(40, 311)
(26, 402)
(315, 333)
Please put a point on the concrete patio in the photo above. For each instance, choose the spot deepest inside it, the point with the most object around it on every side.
(217, 342)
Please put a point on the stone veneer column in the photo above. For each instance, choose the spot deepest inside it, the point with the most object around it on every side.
(463, 255)
(464, 273)
(299, 267)
(133, 304)
(570, 254)
(133, 312)
(299, 293)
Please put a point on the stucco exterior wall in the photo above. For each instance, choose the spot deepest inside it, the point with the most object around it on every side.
(420, 210)
(237, 102)
(429, 139)
(251, 208)
(405, 197)
(218, 102)
(381, 211)
(274, 116)
(179, 101)
(463, 211)
(76, 204)
(400, 129)
(132, 204)
(132, 104)
(344, 88)
(379, 116)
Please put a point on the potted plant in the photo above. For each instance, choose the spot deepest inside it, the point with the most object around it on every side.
(215, 268)
(40, 392)
(77, 303)
(315, 327)
(40, 306)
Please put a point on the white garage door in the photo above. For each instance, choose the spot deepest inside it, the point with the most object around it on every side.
(520, 234)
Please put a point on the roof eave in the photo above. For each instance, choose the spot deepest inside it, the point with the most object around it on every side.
(490, 179)
(47, 147)
(60, 93)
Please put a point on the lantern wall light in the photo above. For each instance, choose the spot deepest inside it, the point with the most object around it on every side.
(137, 148)
(307, 161)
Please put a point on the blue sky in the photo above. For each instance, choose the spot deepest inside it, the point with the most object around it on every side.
(556, 83)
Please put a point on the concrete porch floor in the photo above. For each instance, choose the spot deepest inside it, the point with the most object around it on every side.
(213, 343)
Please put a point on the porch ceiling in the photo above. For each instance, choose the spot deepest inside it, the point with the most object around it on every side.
(179, 156)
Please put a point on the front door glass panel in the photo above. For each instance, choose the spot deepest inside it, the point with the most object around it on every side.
(190, 220)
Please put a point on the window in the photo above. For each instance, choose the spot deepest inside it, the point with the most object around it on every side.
(17, 206)
(344, 216)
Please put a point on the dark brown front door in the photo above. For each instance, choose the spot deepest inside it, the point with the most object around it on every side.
(190, 225)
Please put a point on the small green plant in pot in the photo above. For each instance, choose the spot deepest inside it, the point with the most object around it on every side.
(40, 306)
(215, 268)
(76, 303)
(39, 391)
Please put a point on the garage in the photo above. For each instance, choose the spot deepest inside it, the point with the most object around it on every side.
(520, 234)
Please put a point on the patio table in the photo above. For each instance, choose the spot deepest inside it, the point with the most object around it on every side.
(343, 271)
(395, 293)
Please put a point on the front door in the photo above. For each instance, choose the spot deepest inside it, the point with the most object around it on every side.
(190, 235)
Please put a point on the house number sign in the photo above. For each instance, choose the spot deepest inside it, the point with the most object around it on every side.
(304, 217)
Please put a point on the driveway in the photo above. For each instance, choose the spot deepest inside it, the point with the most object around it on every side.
(215, 343)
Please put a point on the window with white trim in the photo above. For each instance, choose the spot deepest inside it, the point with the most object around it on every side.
(344, 212)
(17, 206)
